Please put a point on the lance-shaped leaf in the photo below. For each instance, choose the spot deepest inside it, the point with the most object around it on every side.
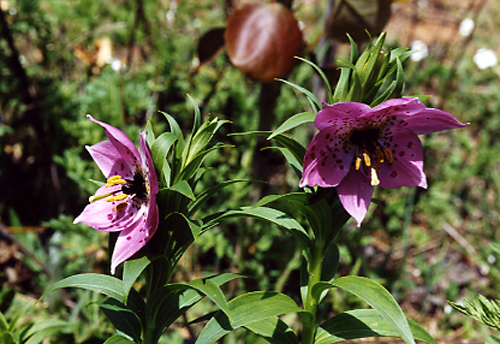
(267, 214)
(42, 330)
(132, 269)
(117, 339)
(122, 318)
(247, 309)
(294, 121)
(159, 151)
(274, 330)
(376, 296)
(363, 323)
(103, 284)
(169, 302)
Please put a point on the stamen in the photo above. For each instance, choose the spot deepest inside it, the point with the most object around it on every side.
(120, 206)
(358, 163)
(379, 154)
(366, 157)
(94, 198)
(375, 181)
(117, 198)
(388, 155)
(115, 180)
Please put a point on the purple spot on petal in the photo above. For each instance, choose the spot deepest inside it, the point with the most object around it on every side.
(394, 174)
(129, 238)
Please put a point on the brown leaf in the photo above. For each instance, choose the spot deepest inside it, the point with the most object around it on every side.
(355, 17)
(262, 40)
(210, 44)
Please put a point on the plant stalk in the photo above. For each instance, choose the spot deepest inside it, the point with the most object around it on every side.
(314, 268)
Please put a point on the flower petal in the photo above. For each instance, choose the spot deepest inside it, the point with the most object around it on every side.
(110, 161)
(429, 121)
(408, 164)
(326, 162)
(101, 215)
(122, 143)
(355, 193)
(339, 114)
(148, 166)
(130, 241)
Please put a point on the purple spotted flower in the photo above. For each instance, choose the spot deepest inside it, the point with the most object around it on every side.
(358, 147)
(127, 202)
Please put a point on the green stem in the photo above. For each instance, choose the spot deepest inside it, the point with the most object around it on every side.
(314, 268)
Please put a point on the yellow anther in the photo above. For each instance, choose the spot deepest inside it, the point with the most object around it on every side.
(366, 157)
(115, 180)
(358, 163)
(375, 181)
(117, 198)
(120, 206)
(388, 155)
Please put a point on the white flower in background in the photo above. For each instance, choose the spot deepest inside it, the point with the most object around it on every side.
(421, 50)
(466, 27)
(116, 64)
(485, 58)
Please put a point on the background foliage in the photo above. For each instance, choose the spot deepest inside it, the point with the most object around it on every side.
(123, 60)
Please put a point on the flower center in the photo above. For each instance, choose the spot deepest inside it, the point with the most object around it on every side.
(135, 188)
(370, 153)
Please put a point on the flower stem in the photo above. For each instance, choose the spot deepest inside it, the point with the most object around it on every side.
(314, 267)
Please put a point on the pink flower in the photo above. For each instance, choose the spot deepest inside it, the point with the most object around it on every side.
(127, 203)
(358, 147)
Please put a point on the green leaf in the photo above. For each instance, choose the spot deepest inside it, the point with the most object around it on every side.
(315, 103)
(176, 130)
(246, 309)
(197, 115)
(159, 152)
(329, 94)
(363, 323)
(132, 269)
(7, 338)
(267, 214)
(184, 189)
(294, 121)
(274, 330)
(45, 329)
(103, 284)
(213, 292)
(122, 318)
(169, 302)
(342, 88)
(207, 193)
(376, 296)
(199, 141)
(117, 339)
(4, 325)
(194, 163)
(150, 137)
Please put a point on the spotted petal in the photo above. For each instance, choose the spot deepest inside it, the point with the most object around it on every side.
(110, 161)
(326, 163)
(429, 121)
(355, 193)
(338, 114)
(407, 167)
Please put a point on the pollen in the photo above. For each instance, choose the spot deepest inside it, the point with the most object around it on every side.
(366, 157)
(117, 198)
(115, 180)
(374, 178)
(358, 163)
